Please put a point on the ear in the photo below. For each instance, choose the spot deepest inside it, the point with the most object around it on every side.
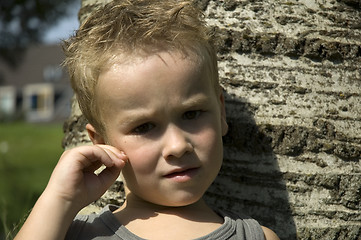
(222, 104)
(94, 136)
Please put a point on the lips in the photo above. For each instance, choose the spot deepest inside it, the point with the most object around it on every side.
(182, 175)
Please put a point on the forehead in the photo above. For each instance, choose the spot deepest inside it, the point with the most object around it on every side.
(121, 57)
(131, 74)
(124, 69)
(137, 80)
(199, 55)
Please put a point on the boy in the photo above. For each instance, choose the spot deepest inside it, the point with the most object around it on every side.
(145, 75)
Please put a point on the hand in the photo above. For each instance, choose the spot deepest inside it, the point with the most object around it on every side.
(72, 185)
(73, 179)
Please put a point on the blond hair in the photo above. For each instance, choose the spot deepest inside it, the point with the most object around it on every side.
(133, 27)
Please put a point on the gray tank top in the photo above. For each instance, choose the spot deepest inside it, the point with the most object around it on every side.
(104, 225)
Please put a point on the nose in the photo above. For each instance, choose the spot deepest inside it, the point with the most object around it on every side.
(176, 143)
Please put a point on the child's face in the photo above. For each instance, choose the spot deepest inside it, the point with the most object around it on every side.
(164, 113)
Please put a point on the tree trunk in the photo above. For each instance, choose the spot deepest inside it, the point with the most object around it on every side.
(292, 77)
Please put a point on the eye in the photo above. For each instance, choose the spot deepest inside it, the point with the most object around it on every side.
(143, 129)
(189, 115)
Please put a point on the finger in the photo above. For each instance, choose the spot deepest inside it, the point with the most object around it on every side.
(92, 156)
(108, 156)
(113, 150)
(118, 157)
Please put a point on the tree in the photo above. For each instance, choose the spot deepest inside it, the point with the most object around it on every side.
(291, 72)
(22, 22)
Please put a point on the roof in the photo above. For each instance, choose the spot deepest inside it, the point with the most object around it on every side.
(41, 63)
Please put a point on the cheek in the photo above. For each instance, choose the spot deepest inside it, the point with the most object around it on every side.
(143, 157)
(212, 146)
(209, 141)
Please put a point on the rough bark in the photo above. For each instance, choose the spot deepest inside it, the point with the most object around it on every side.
(292, 77)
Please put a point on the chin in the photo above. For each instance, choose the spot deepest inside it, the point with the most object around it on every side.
(181, 201)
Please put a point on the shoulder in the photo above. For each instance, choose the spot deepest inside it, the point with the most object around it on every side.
(269, 234)
(250, 227)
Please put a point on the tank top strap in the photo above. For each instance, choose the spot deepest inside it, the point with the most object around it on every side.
(246, 227)
(252, 229)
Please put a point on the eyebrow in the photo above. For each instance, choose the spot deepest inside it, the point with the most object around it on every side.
(136, 118)
(140, 115)
(196, 100)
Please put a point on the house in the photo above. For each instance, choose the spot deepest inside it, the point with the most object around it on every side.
(38, 89)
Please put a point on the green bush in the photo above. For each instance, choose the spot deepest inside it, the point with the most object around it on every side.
(28, 153)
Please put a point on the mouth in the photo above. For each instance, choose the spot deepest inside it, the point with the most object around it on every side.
(182, 175)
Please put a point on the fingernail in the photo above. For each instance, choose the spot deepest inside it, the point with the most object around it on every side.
(123, 156)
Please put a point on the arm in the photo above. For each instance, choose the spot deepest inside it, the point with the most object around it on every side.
(72, 186)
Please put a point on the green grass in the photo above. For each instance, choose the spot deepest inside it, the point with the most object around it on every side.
(28, 153)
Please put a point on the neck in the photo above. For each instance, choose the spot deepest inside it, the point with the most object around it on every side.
(136, 208)
(152, 221)
(134, 202)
